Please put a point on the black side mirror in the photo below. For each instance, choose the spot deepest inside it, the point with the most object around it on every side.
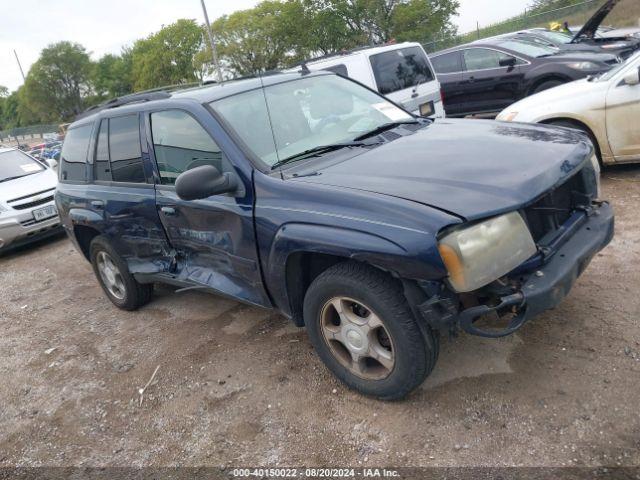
(203, 182)
(508, 62)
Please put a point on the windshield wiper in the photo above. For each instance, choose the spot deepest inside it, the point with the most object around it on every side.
(384, 128)
(319, 150)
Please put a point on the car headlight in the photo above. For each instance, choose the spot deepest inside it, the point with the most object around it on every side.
(478, 255)
(613, 46)
(583, 66)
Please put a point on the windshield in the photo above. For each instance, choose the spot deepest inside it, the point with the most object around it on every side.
(15, 164)
(555, 37)
(528, 49)
(305, 114)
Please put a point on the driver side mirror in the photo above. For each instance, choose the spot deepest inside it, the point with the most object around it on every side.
(203, 182)
(632, 78)
(508, 62)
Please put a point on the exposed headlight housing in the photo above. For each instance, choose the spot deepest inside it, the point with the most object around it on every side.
(478, 255)
(583, 66)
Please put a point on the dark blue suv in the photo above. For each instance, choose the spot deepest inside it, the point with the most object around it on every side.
(315, 196)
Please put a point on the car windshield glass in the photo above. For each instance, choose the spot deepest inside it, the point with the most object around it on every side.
(305, 114)
(555, 37)
(527, 49)
(15, 164)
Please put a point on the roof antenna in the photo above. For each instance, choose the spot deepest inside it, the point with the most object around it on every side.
(304, 70)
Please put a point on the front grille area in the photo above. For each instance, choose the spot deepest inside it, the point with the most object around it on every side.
(552, 210)
(35, 203)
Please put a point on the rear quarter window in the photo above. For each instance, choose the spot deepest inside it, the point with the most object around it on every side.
(447, 63)
(73, 158)
(400, 69)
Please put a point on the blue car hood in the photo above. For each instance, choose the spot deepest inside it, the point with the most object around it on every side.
(471, 168)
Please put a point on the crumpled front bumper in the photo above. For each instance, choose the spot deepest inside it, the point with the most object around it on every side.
(550, 284)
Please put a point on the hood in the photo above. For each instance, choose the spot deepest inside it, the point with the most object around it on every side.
(28, 185)
(565, 93)
(591, 26)
(471, 168)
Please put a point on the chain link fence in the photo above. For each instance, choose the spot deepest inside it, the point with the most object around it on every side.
(574, 14)
(27, 134)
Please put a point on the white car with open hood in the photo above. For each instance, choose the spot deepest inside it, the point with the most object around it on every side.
(27, 208)
(606, 107)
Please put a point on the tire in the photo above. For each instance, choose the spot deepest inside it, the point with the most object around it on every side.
(374, 307)
(547, 85)
(129, 294)
(577, 126)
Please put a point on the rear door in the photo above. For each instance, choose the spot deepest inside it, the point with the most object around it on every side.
(449, 68)
(122, 193)
(623, 117)
(488, 86)
(214, 238)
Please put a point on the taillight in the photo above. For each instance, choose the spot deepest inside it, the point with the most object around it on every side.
(442, 95)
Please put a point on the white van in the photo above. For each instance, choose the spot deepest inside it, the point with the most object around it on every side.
(402, 72)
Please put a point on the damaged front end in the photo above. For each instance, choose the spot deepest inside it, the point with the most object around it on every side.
(569, 227)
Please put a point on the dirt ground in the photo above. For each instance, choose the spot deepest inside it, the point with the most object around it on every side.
(239, 386)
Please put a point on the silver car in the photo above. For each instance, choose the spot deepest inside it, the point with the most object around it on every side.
(27, 209)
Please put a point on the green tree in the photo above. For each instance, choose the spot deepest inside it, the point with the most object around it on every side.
(56, 83)
(112, 75)
(167, 56)
(424, 20)
(255, 40)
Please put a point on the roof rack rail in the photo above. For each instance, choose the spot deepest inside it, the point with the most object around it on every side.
(124, 100)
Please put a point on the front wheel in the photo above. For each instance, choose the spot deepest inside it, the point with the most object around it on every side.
(363, 330)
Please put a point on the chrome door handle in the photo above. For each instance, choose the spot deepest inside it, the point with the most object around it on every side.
(169, 211)
(97, 204)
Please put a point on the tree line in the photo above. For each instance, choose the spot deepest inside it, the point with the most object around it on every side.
(274, 34)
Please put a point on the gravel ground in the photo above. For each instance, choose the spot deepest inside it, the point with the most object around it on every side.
(239, 386)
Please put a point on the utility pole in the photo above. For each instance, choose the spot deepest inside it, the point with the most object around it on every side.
(19, 66)
(214, 54)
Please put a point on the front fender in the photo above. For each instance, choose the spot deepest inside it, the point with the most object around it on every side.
(413, 258)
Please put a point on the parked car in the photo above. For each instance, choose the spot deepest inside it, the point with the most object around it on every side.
(317, 197)
(489, 75)
(592, 32)
(27, 208)
(563, 42)
(402, 72)
(607, 108)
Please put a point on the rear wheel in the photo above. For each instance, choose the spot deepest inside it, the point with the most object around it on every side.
(547, 85)
(363, 330)
(115, 279)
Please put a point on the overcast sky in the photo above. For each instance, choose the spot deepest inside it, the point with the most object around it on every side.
(105, 26)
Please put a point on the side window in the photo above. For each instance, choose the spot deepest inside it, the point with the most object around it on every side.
(180, 144)
(448, 63)
(102, 168)
(399, 69)
(339, 69)
(124, 150)
(484, 59)
(74, 154)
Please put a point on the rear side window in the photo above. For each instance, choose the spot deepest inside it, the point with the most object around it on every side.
(339, 69)
(102, 167)
(180, 144)
(399, 69)
(73, 158)
(447, 63)
(124, 150)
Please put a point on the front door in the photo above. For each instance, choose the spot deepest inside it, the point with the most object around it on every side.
(488, 86)
(213, 238)
(623, 117)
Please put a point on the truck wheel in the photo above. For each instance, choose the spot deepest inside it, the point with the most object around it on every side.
(360, 324)
(115, 279)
